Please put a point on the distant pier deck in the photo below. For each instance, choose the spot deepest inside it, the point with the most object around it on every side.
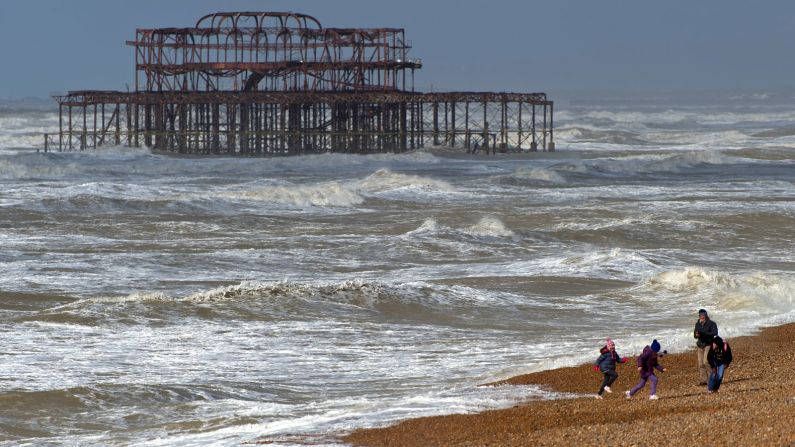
(268, 84)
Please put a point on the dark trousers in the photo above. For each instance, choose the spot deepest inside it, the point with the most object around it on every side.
(610, 377)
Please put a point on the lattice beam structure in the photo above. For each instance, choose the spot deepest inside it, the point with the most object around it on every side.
(268, 83)
(271, 51)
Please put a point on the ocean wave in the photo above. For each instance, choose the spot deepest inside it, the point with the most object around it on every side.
(683, 118)
(59, 165)
(537, 174)
(73, 407)
(767, 153)
(275, 300)
(26, 129)
(31, 166)
(112, 196)
(322, 194)
(489, 226)
(646, 164)
(348, 291)
(758, 293)
(386, 180)
(59, 400)
(25, 302)
(610, 136)
(688, 160)
(112, 162)
(120, 160)
(428, 226)
(627, 117)
(342, 194)
(775, 133)
(616, 259)
(486, 227)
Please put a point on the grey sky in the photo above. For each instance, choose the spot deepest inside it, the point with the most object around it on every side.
(552, 45)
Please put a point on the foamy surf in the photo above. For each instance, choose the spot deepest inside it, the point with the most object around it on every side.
(485, 227)
(538, 174)
(332, 194)
(385, 180)
(289, 299)
(489, 226)
(757, 293)
(341, 194)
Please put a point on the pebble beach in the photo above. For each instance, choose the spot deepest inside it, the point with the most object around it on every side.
(754, 407)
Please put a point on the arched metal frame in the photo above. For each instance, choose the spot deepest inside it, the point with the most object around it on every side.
(282, 50)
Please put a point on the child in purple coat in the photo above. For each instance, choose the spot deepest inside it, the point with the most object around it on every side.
(647, 363)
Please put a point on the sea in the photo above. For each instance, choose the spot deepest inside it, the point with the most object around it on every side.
(153, 300)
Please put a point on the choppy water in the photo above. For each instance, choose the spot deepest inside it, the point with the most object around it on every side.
(151, 300)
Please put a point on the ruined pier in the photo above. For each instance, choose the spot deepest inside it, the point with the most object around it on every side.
(270, 83)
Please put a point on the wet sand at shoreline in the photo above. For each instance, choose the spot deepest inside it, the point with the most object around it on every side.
(755, 406)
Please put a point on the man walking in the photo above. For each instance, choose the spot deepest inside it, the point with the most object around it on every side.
(705, 331)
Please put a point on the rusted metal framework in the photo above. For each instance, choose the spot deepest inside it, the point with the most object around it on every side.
(266, 83)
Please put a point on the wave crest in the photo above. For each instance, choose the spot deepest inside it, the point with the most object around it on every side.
(646, 164)
(346, 290)
(322, 194)
(489, 226)
(340, 194)
(754, 292)
(428, 226)
(538, 174)
(385, 180)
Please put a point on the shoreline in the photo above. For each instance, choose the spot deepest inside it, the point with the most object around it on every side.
(755, 406)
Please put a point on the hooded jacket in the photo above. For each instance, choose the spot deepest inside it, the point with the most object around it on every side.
(719, 355)
(647, 361)
(704, 333)
(607, 361)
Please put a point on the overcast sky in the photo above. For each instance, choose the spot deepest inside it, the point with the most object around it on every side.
(623, 46)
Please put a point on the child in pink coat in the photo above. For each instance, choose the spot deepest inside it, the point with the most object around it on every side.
(606, 363)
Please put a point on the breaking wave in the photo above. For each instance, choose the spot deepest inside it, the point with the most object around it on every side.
(582, 134)
(322, 194)
(386, 180)
(538, 174)
(487, 226)
(272, 300)
(342, 194)
(645, 164)
(115, 161)
(429, 226)
(756, 293)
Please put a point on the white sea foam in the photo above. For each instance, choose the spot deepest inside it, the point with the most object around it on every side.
(428, 226)
(759, 293)
(647, 163)
(420, 318)
(489, 226)
(386, 180)
(322, 194)
(137, 297)
(611, 259)
(353, 291)
(30, 165)
(486, 227)
(27, 129)
(539, 174)
(340, 194)
(690, 117)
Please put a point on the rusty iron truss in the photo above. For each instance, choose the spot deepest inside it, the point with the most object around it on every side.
(271, 83)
